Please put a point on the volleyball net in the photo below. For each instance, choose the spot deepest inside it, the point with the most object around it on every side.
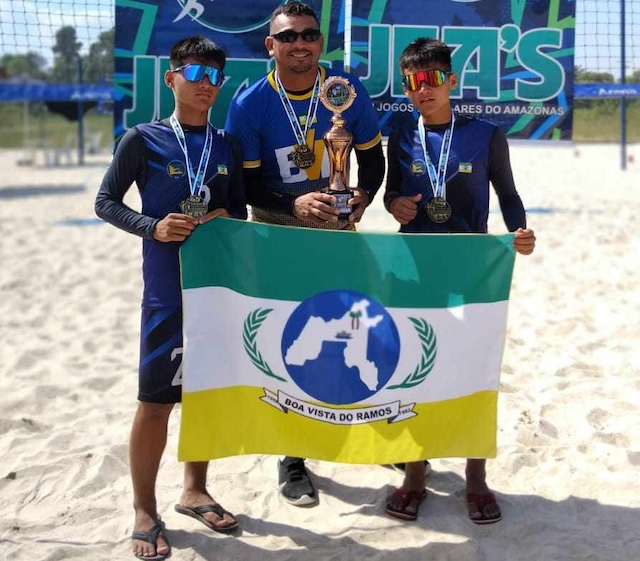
(46, 40)
(608, 40)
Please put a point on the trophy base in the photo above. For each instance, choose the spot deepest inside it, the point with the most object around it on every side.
(342, 198)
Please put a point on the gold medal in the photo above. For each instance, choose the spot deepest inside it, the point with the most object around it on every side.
(302, 156)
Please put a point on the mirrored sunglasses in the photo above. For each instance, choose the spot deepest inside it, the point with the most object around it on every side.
(195, 73)
(432, 78)
(291, 36)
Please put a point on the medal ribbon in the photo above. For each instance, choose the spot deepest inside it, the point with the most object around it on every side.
(437, 179)
(301, 136)
(196, 180)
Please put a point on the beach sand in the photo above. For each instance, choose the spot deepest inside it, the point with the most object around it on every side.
(568, 460)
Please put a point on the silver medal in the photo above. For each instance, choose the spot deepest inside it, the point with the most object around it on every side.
(194, 206)
(438, 210)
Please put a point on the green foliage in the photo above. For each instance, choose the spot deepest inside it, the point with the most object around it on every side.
(67, 51)
(98, 65)
(634, 78)
(66, 44)
(582, 76)
(30, 66)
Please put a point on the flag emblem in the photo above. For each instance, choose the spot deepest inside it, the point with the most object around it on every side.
(418, 167)
(340, 347)
(175, 169)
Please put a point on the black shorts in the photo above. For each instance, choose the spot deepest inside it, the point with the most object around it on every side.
(160, 373)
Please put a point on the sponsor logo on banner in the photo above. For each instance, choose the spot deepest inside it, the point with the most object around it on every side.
(245, 15)
(341, 347)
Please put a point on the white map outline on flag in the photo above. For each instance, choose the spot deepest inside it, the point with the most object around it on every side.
(308, 345)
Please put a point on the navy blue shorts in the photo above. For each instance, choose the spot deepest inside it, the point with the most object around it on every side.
(160, 374)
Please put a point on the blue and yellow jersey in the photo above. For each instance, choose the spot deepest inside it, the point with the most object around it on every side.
(258, 120)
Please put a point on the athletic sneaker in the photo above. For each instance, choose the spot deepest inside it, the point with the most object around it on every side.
(295, 485)
(400, 467)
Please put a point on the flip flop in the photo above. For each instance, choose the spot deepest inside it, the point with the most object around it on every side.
(406, 499)
(152, 537)
(198, 512)
(477, 503)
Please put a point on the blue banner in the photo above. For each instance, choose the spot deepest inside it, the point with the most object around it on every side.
(54, 92)
(591, 91)
(514, 58)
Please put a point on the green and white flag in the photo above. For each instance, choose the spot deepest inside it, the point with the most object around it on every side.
(341, 346)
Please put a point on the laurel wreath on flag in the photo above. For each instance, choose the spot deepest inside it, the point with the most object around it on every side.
(249, 332)
(428, 342)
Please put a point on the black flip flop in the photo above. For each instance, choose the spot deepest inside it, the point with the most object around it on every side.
(152, 537)
(198, 511)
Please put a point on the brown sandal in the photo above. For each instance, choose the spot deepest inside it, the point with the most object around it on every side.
(477, 504)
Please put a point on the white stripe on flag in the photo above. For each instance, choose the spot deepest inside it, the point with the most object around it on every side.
(470, 342)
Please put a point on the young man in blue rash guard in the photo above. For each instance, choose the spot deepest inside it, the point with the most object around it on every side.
(187, 173)
(438, 182)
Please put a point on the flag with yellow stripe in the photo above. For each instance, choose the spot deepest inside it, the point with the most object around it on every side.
(342, 346)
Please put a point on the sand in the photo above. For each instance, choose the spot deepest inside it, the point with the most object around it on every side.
(567, 470)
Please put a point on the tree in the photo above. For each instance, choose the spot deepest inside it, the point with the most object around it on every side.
(98, 64)
(24, 66)
(67, 53)
(583, 76)
(634, 78)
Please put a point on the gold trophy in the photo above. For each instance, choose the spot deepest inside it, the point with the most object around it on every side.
(337, 95)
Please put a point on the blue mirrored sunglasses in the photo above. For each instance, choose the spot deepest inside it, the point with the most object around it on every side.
(195, 73)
